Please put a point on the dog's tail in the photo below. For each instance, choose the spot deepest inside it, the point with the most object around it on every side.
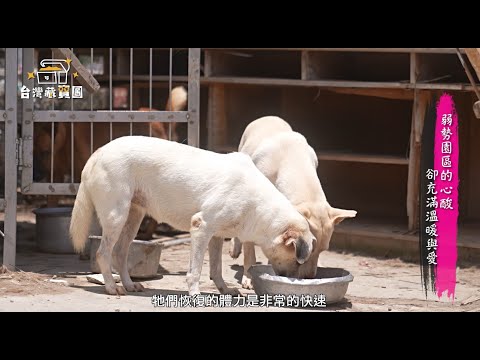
(177, 100)
(81, 218)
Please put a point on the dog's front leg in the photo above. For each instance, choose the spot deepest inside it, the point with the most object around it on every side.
(201, 236)
(215, 256)
(249, 259)
(235, 247)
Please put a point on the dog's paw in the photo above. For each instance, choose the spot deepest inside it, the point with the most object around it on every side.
(135, 287)
(116, 290)
(235, 248)
(247, 283)
(230, 291)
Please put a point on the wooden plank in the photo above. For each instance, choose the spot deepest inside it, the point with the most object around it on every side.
(476, 109)
(305, 65)
(223, 149)
(339, 156)
(413, 68)
(395, 94)
(376, 232)
(217, 117)
(84, 76)
(305, 83)
(334, 83)
(363, 158)
(439, 86)
(473, 55)
(208, 67)
(292, 82)
(387, 50)
(473, 168)
(463, 104)
(413, 184)
(383, 232)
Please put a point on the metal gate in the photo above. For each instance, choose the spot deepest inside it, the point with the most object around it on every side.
(53, 117)
(8, 124)
(31, 116)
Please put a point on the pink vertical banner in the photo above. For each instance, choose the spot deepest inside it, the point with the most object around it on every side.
(446, 158)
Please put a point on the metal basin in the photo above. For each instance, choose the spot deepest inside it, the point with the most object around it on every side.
(52, 230)
(331, 282)
(143, 257)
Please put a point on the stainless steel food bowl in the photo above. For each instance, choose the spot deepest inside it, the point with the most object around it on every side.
(331, 282)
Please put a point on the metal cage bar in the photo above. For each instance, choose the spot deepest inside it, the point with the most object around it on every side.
(31, 116)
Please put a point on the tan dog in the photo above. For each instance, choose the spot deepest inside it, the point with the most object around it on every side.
(214, 196)
(287, 160)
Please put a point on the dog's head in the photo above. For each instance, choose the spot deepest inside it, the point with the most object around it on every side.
(322, 221)
(291, 249)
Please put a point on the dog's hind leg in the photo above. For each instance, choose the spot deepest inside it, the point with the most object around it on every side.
(249, 259)
(235, 248)
(129, 231)
(112, 224)
(201, 235)
(215, 256)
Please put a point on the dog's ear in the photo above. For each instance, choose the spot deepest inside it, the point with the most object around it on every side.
(338, 215)
(304, 211)
(302, 249)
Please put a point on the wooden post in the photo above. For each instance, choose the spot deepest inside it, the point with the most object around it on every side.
(217, 119)
(420, 103)
(413, 68)
(84, 76)
(305, 65)
(476, 109)
(474, 57)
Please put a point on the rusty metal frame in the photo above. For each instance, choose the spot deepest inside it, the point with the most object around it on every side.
(9, 117)
(31, 116)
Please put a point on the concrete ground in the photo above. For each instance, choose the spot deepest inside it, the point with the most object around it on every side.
(379, 284)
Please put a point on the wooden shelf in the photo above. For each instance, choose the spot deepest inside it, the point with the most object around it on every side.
(362, 158)
(387, 50)
(401, 87)
(380, 229)
(334, 83)
(341, 156)
(379, 94)
(304, 83)
(391, 238)
(225, 149)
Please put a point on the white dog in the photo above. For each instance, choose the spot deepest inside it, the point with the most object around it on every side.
(212, 195)
(287, 160)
